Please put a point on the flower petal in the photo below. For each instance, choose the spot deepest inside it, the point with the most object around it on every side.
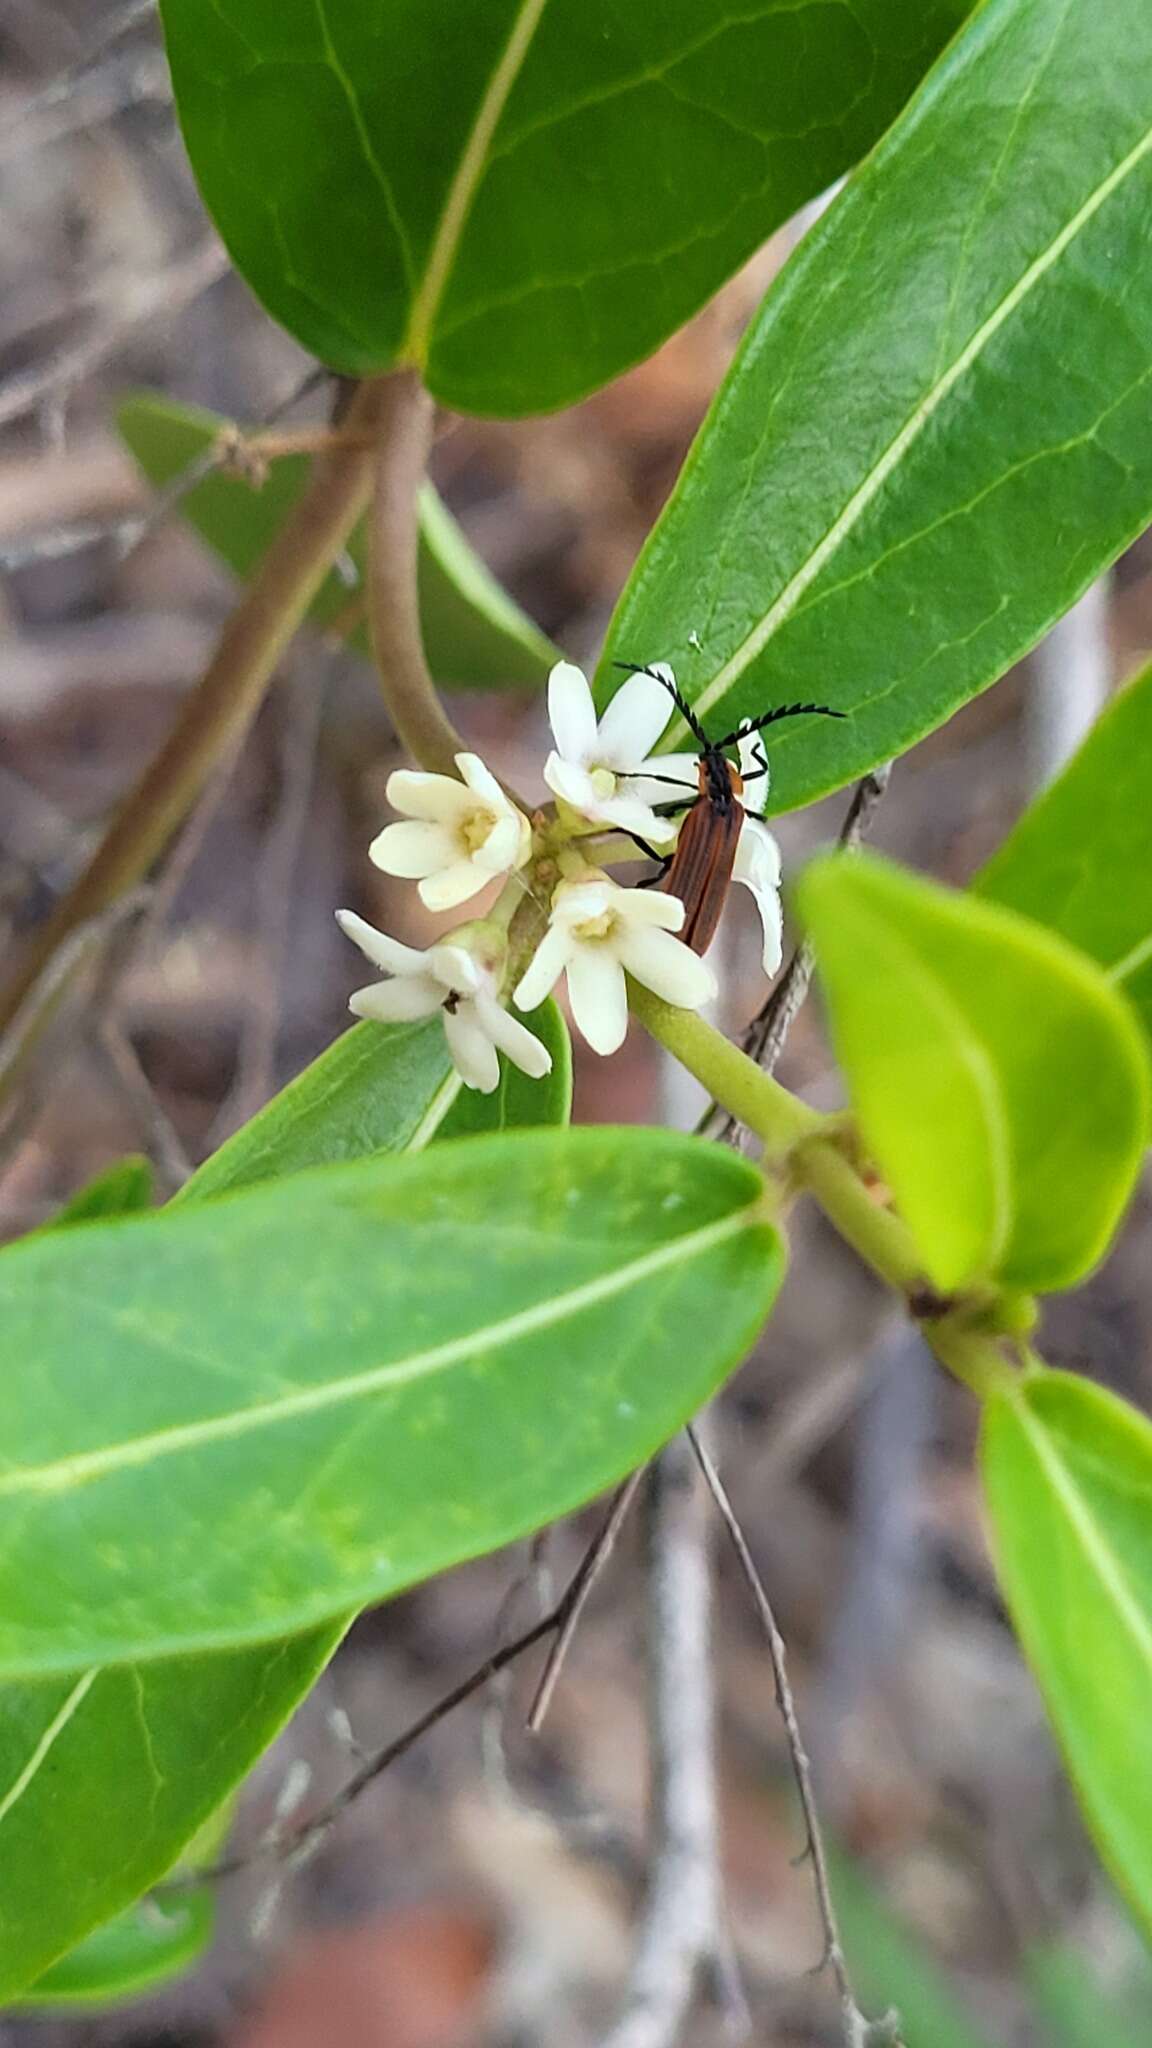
(574, 902)
(648, 907)
(668, 967)
(757, 865)
(544, 969)
(452, 885)
(378, 947)
(756, 779)
(571, 713)
(598, 994)
(484, 784)
(633, 722)
(455, 968)
(757, 859)
(473, 1053)
(413, 850)
(653, 780)
(439, 799)
(630, 816)
(513, 1038)
(567, 779)
(504, 847)
(398, 1002)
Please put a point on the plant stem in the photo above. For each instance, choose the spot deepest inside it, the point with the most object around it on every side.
(798, 1140)
(393, 594)
(227, 696)
(753, 1097)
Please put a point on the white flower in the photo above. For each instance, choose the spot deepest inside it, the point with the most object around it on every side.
(597, 931)
(594, 766)
(757, 865)
(462, 835)
(461, 980)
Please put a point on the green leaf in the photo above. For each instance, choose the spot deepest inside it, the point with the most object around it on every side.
(122, 1188)
(1080, 859)
(251, 1414)
(1068, 1471)
(475, 637)
(385, 1088)
(938, 429)
(378, 1088)
(1000, 1081)
(105, 1774)
(138, 1951)
(522, 198)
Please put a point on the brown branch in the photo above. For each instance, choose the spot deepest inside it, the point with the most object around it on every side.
(594, 1562)
(226, 699)
(393, 592)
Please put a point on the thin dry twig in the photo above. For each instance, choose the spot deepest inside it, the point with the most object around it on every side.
(284, 1846)
(596, 1560)
(859, 2030)
(127, 534)
(680, 1939)
(166, 294)
(764, 1038)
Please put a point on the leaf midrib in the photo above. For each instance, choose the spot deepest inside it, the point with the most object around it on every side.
(1063, 1487)
(869, 488)
(85, 1466)
(465, 183)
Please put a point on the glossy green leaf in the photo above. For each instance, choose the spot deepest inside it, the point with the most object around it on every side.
(938, 429)
(259, 1411)
(526, 196)
(122, 1188)
(1000, 1081)
(138, 1951)
(1080, 859)
(475, 637)
(105, 1774)
(376, 1089)
(1068, 1472)
(385, 1088)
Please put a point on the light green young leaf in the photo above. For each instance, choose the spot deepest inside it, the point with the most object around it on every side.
(138, 1951)
(910, 471)
(475, 636)
(385, 1088)
(267, 1409)
(1068, 1472)
(1080, 858)
(122, 1188)
(527, 196)
(1000, 1081)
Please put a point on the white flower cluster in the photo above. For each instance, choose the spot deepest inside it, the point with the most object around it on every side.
(459, 836)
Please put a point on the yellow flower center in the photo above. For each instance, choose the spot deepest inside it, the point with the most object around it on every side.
(593, 930)
(475, 829)
(603, 781)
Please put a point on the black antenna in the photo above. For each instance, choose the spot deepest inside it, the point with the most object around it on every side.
(640, 668)
(751, 725)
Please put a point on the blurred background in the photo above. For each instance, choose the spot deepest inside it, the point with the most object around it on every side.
(484, 1893)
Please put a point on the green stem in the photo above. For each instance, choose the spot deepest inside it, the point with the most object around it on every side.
(805, 1145)
(778, 1119)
